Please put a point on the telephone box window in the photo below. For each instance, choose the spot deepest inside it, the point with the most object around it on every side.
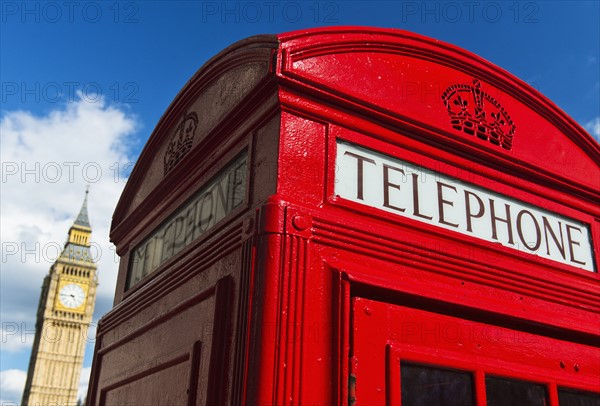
(424, 385)
(571, 397)
(509, 392)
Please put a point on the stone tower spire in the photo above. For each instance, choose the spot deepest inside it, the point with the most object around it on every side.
(82, 218)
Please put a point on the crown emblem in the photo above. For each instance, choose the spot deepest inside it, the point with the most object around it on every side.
(475, 112)
(182, 141)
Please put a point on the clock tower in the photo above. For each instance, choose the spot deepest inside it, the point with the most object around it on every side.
(63, 317)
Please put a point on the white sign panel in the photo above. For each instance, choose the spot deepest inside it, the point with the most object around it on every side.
(389, 184)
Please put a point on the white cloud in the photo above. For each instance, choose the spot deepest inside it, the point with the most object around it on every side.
(593, 127)
(46, 163)
(12, 382)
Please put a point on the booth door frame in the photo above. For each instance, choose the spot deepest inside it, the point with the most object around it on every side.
(384, 336)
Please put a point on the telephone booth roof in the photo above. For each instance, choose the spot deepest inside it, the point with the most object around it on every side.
(449, 103)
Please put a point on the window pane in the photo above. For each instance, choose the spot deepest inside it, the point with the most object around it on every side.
(571, 397)
(429, 386)
(512, 392)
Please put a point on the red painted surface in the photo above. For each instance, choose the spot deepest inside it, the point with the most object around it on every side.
(387, 335)
(269, 305)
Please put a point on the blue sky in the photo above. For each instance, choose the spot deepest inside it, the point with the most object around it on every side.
(86, 82)
(142, 53)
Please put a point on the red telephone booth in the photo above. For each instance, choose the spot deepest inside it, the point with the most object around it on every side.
(356, 216)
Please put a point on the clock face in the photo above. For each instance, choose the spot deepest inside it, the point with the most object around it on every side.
(71, 296)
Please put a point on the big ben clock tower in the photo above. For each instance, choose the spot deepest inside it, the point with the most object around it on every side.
(64, 315)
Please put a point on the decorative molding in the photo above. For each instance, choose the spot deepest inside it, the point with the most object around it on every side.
(180, 272)
(434, 258)
(181, 143)
(241, 345)
(160, 366)
(290, 323)
(475, 112)
(218, 374)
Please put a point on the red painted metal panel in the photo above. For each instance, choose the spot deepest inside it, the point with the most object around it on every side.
(386, 335)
